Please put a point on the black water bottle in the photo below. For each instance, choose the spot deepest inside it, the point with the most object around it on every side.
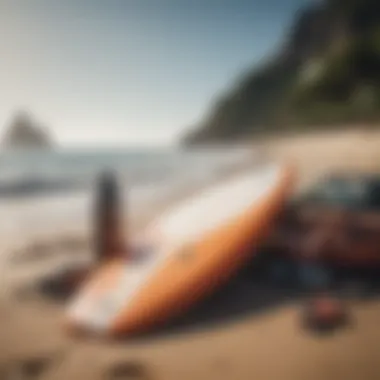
(108, 236)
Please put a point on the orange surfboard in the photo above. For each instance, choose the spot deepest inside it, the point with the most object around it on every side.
(183, 256)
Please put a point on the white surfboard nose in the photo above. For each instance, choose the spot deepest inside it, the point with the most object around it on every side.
(98, 309)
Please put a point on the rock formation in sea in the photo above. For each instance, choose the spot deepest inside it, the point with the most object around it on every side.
(23, 132)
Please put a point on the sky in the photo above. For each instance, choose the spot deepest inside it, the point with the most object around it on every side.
(129, 72)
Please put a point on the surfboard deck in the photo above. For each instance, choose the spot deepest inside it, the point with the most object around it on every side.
(183, 256)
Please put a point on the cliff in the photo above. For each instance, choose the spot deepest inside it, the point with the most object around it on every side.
(327, 72)
(24, 133)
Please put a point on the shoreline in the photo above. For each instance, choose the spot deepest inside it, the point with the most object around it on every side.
(40, 241)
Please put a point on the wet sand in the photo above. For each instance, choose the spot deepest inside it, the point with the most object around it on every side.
(231, 337)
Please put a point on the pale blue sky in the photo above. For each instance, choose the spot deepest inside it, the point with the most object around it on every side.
(129, 71)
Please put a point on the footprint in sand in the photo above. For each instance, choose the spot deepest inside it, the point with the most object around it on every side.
(72, 244)
(4, 373)
(34, 368)
(34, 253)
(41, 250)
(127, 371)
(26, 369)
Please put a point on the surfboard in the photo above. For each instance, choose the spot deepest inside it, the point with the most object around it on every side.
(183, 256)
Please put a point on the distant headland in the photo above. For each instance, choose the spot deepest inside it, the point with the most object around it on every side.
(324, 76)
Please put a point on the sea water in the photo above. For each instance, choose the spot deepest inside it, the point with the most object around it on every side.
(51, 192)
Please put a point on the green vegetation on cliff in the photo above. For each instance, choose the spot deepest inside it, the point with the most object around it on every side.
(327, 73)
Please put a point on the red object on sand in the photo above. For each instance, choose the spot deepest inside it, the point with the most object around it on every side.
(327, 309)
(325, 312)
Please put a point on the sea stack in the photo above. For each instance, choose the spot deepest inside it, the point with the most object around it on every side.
(23, 133)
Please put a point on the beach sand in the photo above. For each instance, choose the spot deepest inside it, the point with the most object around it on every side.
(229, 338)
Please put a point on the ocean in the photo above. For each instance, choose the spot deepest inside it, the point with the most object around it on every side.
(50, 192)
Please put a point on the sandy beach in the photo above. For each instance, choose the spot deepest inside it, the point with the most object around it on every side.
(231, 337)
